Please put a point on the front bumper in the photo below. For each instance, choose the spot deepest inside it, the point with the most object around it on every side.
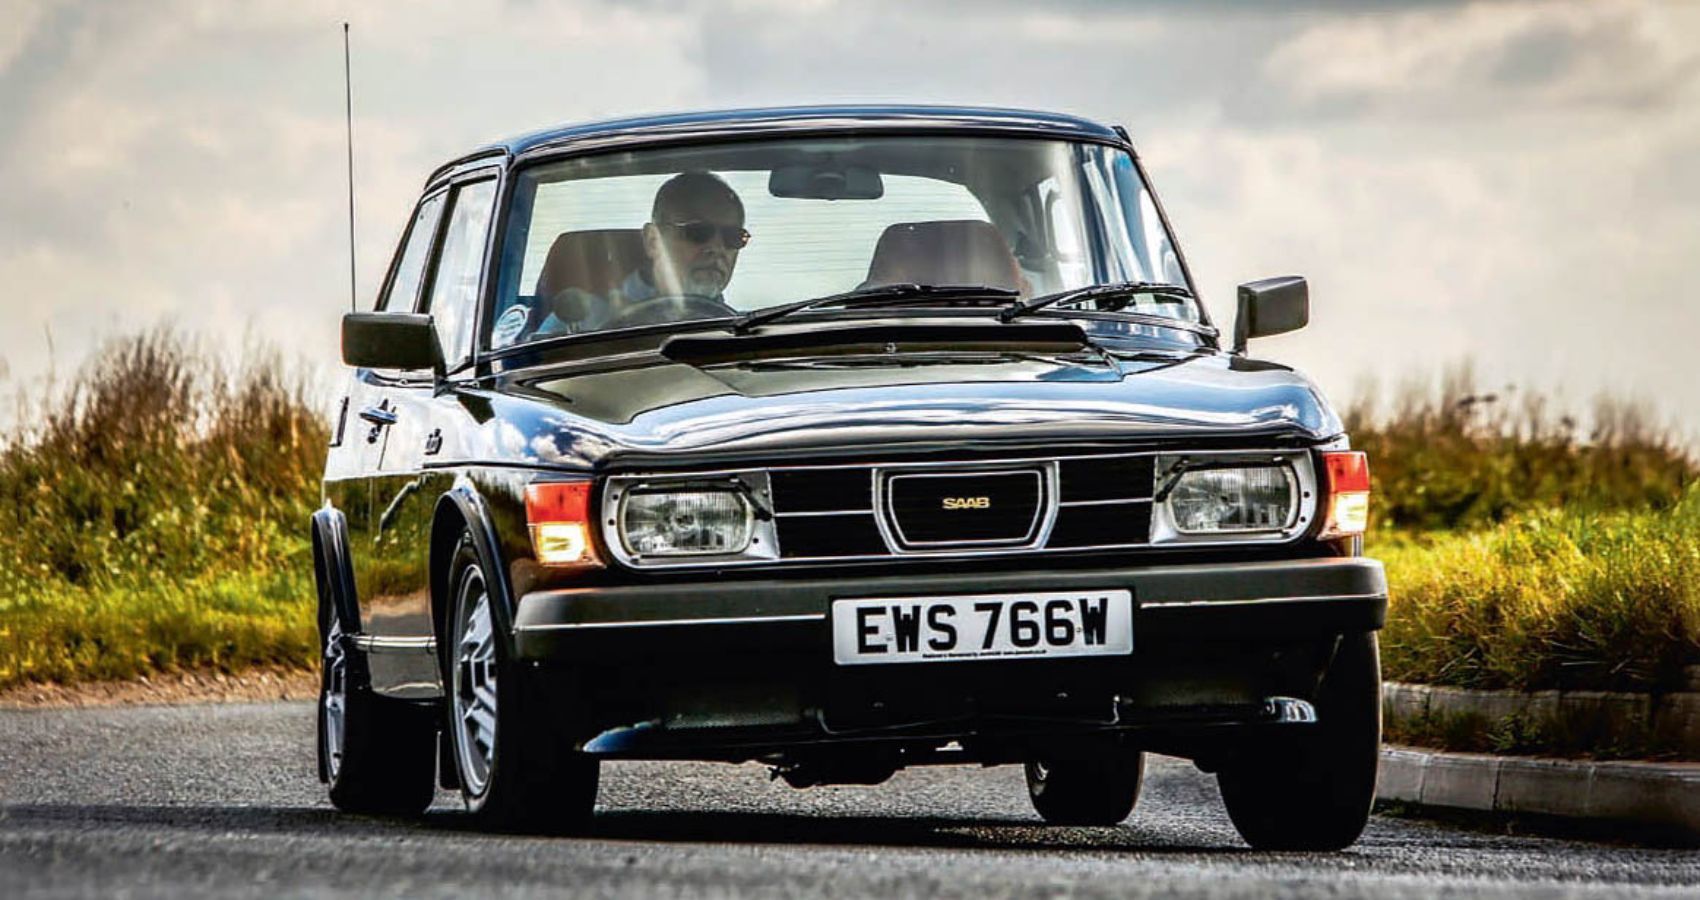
(744, 669)
(1256, 602)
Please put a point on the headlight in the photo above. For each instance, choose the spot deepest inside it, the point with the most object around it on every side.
(1222, 500)
(685, 523)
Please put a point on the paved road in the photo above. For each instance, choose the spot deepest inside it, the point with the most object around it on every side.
(221, 800)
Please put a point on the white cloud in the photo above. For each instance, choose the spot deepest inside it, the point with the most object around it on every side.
(22, 18)
(1492, 57)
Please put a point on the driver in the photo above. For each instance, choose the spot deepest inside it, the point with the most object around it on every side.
(692, 239)
(690, 246)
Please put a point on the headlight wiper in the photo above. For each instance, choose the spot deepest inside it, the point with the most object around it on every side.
(1125, 290)
(895, 294)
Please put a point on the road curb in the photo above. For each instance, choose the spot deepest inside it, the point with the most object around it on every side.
(1668, 721)
(1655, 795)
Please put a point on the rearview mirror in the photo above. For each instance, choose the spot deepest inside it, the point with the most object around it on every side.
(374, 340)
(825, 182)
(1271, 306)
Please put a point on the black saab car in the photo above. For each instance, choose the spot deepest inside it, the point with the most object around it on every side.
(840, 440)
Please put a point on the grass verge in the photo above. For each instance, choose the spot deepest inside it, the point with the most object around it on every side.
(123, 628)
(1575, 735)
(153, 518)
(1566, 599)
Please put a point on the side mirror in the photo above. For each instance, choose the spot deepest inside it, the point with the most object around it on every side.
(391, 341)
(1271, 306)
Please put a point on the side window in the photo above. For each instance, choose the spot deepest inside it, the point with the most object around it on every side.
(404, 287)
(454, 283)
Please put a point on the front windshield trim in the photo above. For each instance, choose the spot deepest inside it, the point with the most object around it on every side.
(568, 148)
(557, 151)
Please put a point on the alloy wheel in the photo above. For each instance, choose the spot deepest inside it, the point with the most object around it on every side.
(333, 699)
(475, 683)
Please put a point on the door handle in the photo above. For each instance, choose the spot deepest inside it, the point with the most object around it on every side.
(379, 416)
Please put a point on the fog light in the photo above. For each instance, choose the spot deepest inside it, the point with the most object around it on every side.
(560, 543)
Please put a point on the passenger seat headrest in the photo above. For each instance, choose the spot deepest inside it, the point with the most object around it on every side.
(961, 251)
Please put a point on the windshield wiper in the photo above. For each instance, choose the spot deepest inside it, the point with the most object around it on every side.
(1121, 289)
(876, 296)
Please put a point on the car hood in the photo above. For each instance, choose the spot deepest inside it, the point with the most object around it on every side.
(664, 411)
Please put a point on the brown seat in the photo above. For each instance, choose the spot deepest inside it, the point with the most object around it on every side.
(962, 251)
(592, 261)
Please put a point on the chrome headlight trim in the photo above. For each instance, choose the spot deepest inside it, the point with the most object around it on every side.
(752, 487)
(1301, 477)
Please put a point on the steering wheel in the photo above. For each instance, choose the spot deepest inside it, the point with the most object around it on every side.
(657, 310)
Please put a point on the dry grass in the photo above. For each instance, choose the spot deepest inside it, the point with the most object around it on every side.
(152, 517)
(1449, 455)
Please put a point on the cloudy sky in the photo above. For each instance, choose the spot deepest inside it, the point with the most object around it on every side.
(1516, 183)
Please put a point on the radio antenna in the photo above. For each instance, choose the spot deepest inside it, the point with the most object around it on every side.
(348, 112)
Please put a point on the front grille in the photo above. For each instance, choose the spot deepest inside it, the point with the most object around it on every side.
(822, 490)
(813, 537)
(892, 509)
(828, 512)
(930, 509)
(1094, 478)
(1101, 525)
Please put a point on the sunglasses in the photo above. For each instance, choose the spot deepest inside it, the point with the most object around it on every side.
(732, 237)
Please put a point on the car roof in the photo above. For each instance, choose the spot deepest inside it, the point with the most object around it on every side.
(779, 120)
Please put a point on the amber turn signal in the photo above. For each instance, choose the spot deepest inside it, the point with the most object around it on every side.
(1346, 483)
(558, 515)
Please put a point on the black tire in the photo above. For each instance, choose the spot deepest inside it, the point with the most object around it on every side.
(1315, 793)
(1086, 789)
(533, 780)
(382, 759)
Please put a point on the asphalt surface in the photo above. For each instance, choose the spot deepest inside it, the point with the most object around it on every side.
(222, 801)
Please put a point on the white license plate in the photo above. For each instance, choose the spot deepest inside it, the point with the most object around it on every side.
(982, 626)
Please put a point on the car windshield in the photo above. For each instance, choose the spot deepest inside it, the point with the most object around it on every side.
(649, 237)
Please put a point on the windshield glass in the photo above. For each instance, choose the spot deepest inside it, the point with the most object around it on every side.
(664, 235)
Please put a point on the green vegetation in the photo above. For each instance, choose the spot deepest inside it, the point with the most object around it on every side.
(1557, 598)
(1452, 456)
(152, 517)
(1572, 733)
(1524, 553)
